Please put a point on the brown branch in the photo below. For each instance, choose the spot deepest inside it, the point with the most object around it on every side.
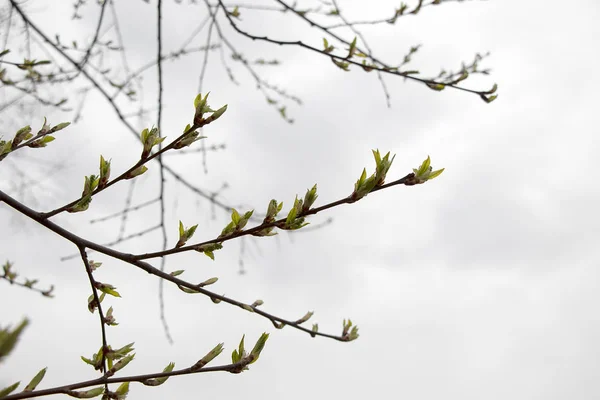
(68, 389)
(391, 20)
(131, 259)
(125, 175)
(369, 51)
(261, 83)
(96, 34)
(385, 68)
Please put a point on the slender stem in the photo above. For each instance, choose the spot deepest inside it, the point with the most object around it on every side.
(125, 175)
(265, 225)
(299, 43)
(67, 389)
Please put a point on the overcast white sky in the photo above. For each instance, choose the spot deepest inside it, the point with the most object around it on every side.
(480, 284)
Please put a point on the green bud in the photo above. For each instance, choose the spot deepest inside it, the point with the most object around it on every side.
(35, 381)
(424, 173)
(188, 140)
(211, 355)
(185, 234)
(104, 172)
(257, 303)
(60, 126)
(122, 390)
(90, 184)
(41, 142)
(159, 381)
(305, 318)
(258, 347)
(120, 365)
(22, 134)
(109, 319)
(136, 172)
(86, 394)
(272, 210)
(81, 205)
(208, 282)
(315, 329)
(107, 288)
(150, 138)
(309, 198)
(382, 166)
(219, 112)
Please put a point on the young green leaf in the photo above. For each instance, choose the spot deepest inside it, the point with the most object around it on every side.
(109, 318)
(239, 354)
(188, 139)
(352, 48)
(122, 390)
(59, 127)
(150, 138)
(185, 234)
(488, 99)
(41, 142)
(107, 288)
(215, 115)
(211, 355)
(382, 166)
(424, 173)
(159, 381)
(122, 363)
(272, 210)
(436, 86)
(309, 198)
(9, 389)
(327, 47)
(341, 64)
(8, 337)
(424, 168)
(208, 249)
(258, 347)
(208, 282)
(305, 318)
(104, 172)
(86, 394)
(138, 171)
(235, 216)
(21, 135)
(35, 381)
(122, 352)
(81, 205)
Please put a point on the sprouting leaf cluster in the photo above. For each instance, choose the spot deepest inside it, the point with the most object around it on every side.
(24, 138)
(364, 185)
(10, 275)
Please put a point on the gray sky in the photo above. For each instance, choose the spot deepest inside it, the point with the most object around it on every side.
(479, 284)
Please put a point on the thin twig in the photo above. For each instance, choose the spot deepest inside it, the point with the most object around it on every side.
(197, 288)
(265, 225)
(98, 305)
